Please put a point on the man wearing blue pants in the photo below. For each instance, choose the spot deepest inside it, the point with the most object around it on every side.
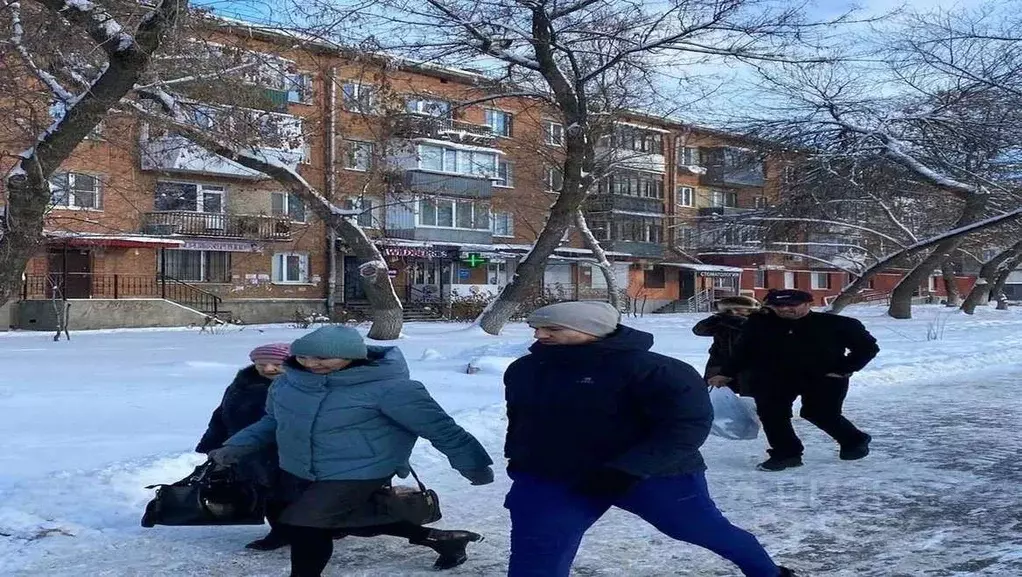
(595, 420)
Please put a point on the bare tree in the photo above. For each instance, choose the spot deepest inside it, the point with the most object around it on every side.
(988, 275)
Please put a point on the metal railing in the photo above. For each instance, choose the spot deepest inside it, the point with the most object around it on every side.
(701, 302)
(117, 286)
(221, 225)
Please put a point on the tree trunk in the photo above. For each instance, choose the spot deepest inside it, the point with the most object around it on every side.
(901, 296)
(613, 291)
(987, 278)
(21, 234)
(950, 284)
(1002, 279)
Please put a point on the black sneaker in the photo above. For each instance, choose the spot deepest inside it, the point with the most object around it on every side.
(780, 463)
(271, 542)
(785, 572)
(450, 545)
(856, 452)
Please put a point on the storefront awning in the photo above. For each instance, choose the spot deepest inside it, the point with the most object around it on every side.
(116, 241)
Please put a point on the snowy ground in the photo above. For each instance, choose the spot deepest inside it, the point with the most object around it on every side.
(86, 425)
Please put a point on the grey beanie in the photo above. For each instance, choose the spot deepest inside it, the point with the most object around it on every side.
(590, 317)
(331, 342)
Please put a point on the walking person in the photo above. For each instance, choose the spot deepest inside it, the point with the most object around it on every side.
(790, 352)
(724, 327)
(244, 403)
(596, 420)
(345, 418)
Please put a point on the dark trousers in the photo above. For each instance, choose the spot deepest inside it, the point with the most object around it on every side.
(822, 402)
(548, 522)
(312, 547)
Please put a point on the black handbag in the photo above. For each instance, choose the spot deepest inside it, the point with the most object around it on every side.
(395, 504)
(209, 496)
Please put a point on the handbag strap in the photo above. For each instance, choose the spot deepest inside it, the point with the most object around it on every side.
(422, 487)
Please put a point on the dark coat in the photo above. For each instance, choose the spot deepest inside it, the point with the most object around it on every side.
(774, 351)
(575, 409)
(244, 403)
(724, 328)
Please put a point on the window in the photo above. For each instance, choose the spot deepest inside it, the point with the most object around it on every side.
(358, 155)
(633, 183)
(369, 208)
(761, 202)
(790, 281)
(306, 152)
(600, 229)
(290, 268)
(931, 284)
(686, 236)
(457, 161)
(646, 230)
(500, 122)
(554, 133)
(761, 279)
(689, 156)
(819, 281)
(429, 107)
(505, 174)
(198, 265)
(637, 139)
(460, 214)
(554, 179)
(686, 196)
(299, 87)
(187, 197)
(287, 204)
(503, 224)
(723, 199)
(359, 98)
(75, 190)
(655, 277)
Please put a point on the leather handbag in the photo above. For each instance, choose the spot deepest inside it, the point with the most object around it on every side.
(417, 505)
(209, 496)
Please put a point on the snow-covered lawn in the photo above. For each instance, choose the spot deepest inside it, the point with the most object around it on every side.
(85, 425)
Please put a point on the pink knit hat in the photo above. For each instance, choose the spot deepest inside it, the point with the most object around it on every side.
(272, 354)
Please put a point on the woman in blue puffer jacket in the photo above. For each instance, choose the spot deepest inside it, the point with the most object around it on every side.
(345, 418)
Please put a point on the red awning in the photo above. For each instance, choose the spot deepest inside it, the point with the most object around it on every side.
(125, 241)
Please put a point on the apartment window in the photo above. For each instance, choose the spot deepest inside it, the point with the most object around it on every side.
(554, 133)
(299, 88)
(504, 224)
(686, 236)
(689, 156)
(686, 196)
(188, 197)
(306, 152)
(655, 277)
(790, 280)
(459, 214)
(723, 199)
(75, 190)
(369, 208)
(359, 97)
(500, 122)
(505, 174)
(819, 281)
(287, 204)
(600, 229)
(931, 284)
(290, 268)
(198, 265)
(645, 230)
(358, 155)
(761, 279)
(761, 202)
(554, 179)
(637, 139)
(457, 161)
(429, 107)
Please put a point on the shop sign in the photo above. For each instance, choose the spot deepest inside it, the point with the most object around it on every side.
(221, 245)
(718, 274)
(413, 252)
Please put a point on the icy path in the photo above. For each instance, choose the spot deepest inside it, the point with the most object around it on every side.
(939, 496)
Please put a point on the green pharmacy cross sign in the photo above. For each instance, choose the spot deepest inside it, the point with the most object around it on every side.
(474, 260)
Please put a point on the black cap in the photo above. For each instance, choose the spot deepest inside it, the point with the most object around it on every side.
(788, 298)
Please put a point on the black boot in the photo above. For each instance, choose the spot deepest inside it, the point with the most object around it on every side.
(785, 572)
(271, 542)
(450, 545)
(856, 452)
(780, 463)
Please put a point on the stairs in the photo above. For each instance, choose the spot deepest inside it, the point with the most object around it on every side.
(701, 302)
(413, 312)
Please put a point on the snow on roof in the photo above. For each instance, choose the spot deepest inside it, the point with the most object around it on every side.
(488, 247)
(459, 146)
(63, 234)
(703, 267)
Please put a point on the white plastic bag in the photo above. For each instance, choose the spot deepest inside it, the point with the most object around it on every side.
(733, 417)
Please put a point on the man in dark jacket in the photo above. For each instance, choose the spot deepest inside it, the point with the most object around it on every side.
(724, 327)
(243, 404)
(595, 420)
(791, 351)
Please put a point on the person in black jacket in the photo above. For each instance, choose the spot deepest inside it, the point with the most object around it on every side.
(724, 327)
(596, 420)
(243, 404)
(791, 351)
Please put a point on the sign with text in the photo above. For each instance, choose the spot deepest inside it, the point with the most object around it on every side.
(221, 245)
(413, 252)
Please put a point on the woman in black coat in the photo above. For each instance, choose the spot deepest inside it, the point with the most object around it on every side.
(724, 327)
(244, 403)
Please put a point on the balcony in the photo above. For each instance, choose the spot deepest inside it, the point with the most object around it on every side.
(620, 203)
(724, 211)
(732, 167)
(177, 154)
(421, 182)
(640, 249)
(418, 125)
(217, 225)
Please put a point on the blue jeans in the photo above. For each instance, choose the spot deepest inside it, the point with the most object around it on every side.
(548, 521)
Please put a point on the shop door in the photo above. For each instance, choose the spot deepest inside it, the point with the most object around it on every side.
(686, 284)
(70, 273)
(353, 289)
(425, 278)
